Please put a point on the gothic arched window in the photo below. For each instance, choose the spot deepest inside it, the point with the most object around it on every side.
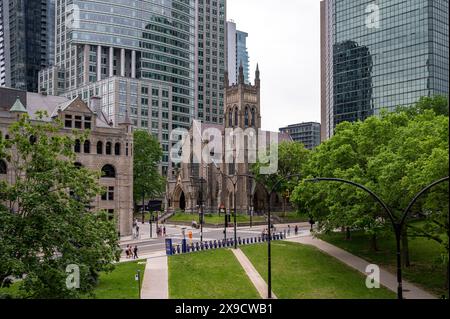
(246, 117)
(236, 117)
(230, 118)
(253, 117)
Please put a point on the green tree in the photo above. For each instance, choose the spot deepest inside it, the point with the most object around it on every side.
(45, 223)
(148, 183)
(292, 157)
(395, 155)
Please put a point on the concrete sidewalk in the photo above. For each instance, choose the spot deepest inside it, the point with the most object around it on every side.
(156, 279)
(252, 273)
(387, 279)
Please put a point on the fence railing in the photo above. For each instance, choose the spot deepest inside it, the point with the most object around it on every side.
(186, 248)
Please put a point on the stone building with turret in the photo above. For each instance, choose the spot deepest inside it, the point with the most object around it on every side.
(108, 149)
(196, 184)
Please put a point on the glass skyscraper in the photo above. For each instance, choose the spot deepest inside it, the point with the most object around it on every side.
(237, 53)
(26, 41)
(138, 56)
(381, 54)
(242, 54)
(210, 60)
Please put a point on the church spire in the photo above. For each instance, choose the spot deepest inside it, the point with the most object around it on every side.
(257, 79)
(241, 73)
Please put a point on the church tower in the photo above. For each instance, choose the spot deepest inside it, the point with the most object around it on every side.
(242, 102)
(242, 111)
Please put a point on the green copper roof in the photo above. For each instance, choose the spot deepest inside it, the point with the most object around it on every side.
(18, 107)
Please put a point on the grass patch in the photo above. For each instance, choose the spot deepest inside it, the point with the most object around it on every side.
(214, 219)
(209, 275)
(120, 283)
(426, 271)
(12, 292)
(304, 272)
(292, 217)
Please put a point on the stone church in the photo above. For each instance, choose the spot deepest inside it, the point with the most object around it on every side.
(213, 185)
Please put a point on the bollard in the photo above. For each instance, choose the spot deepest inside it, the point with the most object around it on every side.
(178, 249)
(240, 241)
(215, 244)
(174, 251)
(197, 246)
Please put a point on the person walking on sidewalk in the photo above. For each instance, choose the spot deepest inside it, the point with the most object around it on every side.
(164, 231)
(289, 230)
(296, 230)
(135, 252)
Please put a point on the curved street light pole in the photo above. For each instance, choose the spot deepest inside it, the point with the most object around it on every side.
(269, 224)
(397, 225)
(234, 183)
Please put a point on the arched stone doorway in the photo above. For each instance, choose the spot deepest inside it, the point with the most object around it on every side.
(179, 199)
(182, 201)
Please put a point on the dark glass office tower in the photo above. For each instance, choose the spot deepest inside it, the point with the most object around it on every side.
(381, 54)
(27, 36)
(210, 60)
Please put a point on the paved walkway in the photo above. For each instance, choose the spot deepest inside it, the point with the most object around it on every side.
(156, 279)
(253, 274)
(387, 279)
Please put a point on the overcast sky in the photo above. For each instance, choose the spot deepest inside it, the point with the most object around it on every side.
(284, 37)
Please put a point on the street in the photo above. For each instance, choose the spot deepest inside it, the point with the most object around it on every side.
(147, 246)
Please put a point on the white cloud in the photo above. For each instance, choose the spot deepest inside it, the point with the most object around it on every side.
(284, 37)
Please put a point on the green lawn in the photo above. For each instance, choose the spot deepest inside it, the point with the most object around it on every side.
(214, 219)
(292, 217)
(425, 271)
(304, 272)
(209, 275)
(120, 283)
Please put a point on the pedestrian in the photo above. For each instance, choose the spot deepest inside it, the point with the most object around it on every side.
(296, 230)
(127, 251)
(135, 252)
(137, 231)
(289, 230)
(164, 231)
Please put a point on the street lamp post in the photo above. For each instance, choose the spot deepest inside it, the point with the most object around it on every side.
(397, 224)
(200, 204)
(269, 194)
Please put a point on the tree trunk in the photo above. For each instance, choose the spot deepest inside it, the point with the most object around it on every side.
(405, 248)
(373, 242)
(347, 233)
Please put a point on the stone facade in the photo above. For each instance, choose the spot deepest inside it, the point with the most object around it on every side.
(189, 181)
(108, 149)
